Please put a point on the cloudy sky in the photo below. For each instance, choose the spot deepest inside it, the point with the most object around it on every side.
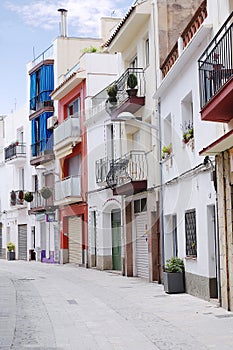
(28, 27)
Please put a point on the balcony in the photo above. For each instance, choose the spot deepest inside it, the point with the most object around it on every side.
(128, 175)
(216, 76)
(66, 135)
(68, 190)
(128, 99)
(42, 152)
(15, 154)
(41, 104)
(40, 204)
(102, 167)
(185, 37)
(17, 199)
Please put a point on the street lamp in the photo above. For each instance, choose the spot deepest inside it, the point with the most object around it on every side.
(127, 116)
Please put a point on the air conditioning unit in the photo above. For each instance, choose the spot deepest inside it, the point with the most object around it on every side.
(51, 121)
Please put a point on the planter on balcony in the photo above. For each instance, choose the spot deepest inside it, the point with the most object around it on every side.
(13, 198)
(28, 197)
(46, 192)
(132, 82)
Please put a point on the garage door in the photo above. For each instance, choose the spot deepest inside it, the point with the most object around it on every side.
(75, 239)
(142, 264)
(22, 242)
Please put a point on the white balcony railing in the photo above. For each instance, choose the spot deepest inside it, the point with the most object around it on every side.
(68, 130)
(68, 188)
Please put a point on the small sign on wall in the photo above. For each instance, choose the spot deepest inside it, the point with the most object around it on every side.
(50, 217)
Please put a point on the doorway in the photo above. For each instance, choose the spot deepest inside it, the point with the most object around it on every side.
(116, 239)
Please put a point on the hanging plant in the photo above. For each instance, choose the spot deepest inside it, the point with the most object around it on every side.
(28, 197)
(46, 192)
(21, 195)
(13, 198)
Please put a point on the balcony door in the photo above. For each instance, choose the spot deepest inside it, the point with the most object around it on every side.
(75, 166)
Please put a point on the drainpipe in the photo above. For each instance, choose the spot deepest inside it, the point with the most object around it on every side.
(217, 251)
(161, 185)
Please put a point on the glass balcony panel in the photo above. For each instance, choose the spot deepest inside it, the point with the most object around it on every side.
(69, 187)
(68, 129)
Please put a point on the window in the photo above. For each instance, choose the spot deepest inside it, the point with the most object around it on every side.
(187, 117)
(21, 179)
(74, 108)
(190, 233)
(140, 205)
(147, 47)
(167, 131)
(134, 63)
(110, 141)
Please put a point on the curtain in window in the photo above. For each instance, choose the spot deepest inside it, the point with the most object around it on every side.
(46, 82)
(33, 91)
(33, 135)
(46, 136)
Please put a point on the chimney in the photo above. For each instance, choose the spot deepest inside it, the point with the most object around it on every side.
(63, 22)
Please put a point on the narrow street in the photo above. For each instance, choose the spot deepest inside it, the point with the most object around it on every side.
(45, 306)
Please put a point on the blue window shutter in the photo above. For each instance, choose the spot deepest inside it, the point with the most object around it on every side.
(46, 139)
(33, 134)
(46, 82)
(33, 91)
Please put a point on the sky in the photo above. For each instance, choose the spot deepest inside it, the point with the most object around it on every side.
(27, 28)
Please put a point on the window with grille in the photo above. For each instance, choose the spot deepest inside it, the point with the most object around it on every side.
(190, 233)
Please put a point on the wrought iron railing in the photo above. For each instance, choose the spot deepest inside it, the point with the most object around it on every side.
(186, 36)
(68, 187)
(69, 128)
(102, 167)
(131, 167)
(42, 148)
(216, 63)
(41, 101)
(15, 150)
(40, 202)
(122, 88)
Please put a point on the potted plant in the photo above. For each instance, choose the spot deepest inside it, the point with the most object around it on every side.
(28, 197)
(13, 197)
(166, 151)
(10, 251)
(173, 276)
(112, 94)
(132, 82)
(188, 135)
(46, 192)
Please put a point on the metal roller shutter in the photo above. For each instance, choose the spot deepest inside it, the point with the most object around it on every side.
(75, 239)
(22, 242)
(142, 264)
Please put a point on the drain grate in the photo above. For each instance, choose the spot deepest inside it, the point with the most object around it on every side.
(72, 301)
(224, 316)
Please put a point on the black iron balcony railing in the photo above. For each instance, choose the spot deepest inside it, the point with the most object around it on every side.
(41, 101)
(42, 148)
(216, 63)
(131, 167)
(40, 202)
(15, 150)
(123, 88)
(102, 167)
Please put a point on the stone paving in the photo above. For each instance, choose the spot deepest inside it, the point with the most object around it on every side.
(64, 307)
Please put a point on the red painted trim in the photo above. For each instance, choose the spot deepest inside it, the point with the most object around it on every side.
(216, 142)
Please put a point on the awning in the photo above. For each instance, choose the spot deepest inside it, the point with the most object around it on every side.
(222, 144)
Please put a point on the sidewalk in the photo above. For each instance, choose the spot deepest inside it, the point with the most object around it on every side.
(81, 309)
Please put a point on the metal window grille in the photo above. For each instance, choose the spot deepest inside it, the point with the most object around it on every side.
(190, 233)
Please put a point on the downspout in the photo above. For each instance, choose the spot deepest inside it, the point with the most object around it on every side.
(217, 248)
(161, 185)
